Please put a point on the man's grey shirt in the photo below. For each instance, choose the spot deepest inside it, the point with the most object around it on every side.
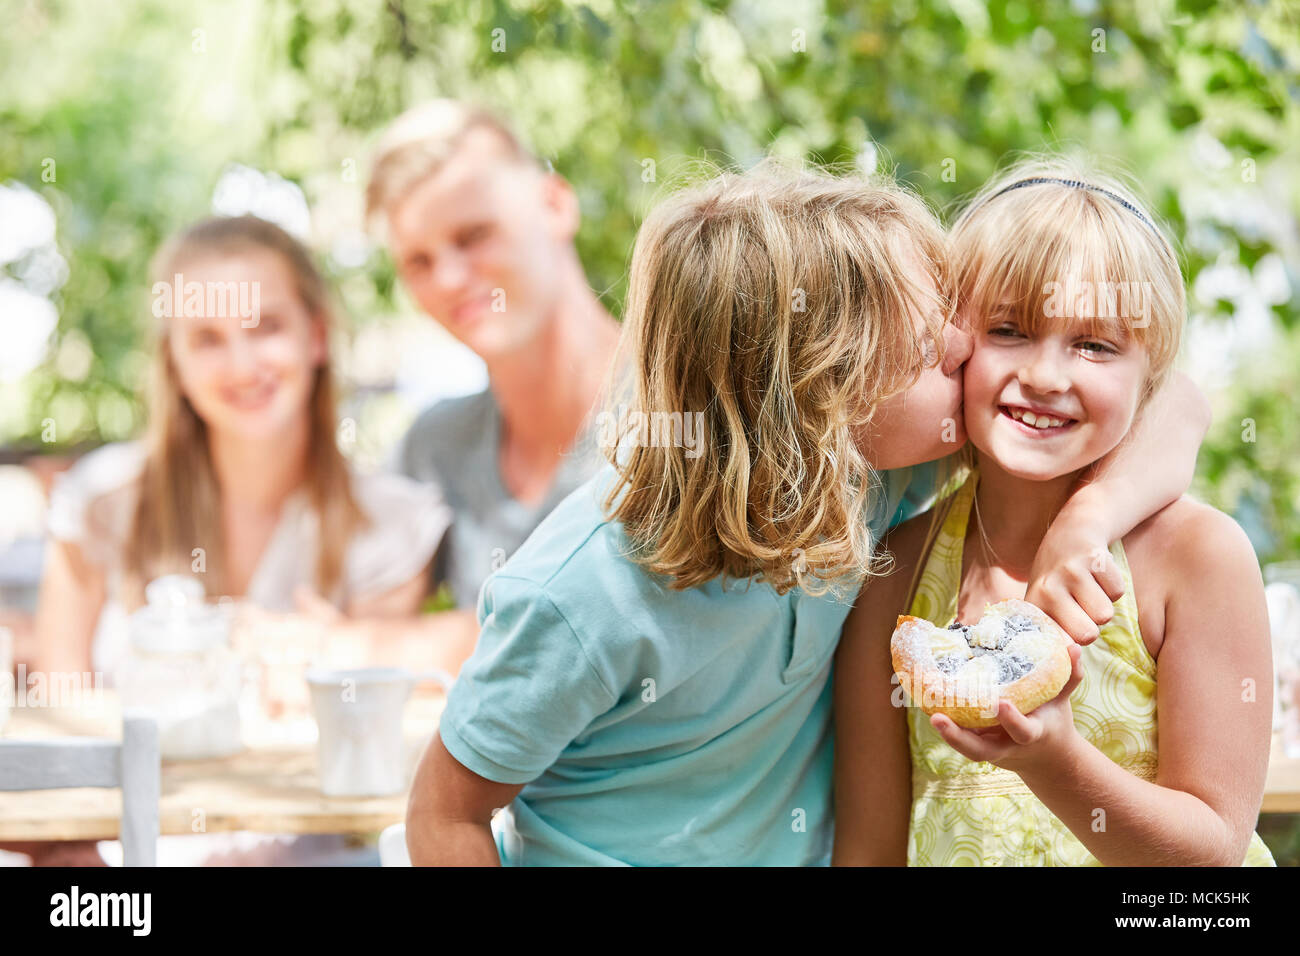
(455, 445)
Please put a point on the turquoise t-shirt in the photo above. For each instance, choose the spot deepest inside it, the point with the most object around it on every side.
(652, 726)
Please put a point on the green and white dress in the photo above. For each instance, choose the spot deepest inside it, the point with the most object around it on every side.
(976, 814)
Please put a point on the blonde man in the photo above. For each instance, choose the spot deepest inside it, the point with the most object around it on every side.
(482, 237)
(651, 683)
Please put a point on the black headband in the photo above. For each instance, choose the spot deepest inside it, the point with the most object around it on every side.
(1078, 184)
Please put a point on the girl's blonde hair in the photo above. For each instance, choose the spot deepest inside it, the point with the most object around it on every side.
(179, 500)
(1051, 233)
(781, 307)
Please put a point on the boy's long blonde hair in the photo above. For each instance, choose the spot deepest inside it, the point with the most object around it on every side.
(780, 305)
(179, 498)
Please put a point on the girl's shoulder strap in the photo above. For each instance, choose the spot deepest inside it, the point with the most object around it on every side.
(1124, 632)
(937, 578)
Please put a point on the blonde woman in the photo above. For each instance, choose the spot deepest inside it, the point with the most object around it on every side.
(239, 477)
(651, 682)
(239, 474)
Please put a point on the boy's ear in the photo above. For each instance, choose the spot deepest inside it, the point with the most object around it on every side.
(562, 203)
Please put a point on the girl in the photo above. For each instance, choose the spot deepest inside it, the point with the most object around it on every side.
(239, 468)
(1075, 303)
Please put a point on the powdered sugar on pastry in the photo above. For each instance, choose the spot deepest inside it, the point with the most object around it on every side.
(1014, 651)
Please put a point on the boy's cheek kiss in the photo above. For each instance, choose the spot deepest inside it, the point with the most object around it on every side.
(925, 422)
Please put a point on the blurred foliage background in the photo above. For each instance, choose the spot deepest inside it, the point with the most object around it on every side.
(124, 117)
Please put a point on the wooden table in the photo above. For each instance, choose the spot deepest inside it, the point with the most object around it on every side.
(272, 787)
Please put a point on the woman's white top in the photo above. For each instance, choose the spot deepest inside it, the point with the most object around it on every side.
(93, 503)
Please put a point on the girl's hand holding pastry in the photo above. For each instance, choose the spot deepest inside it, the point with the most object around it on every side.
(1040, 739)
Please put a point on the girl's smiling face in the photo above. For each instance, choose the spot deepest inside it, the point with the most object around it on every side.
(1049, 400)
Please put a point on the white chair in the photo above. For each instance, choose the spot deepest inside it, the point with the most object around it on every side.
(65, 762)
(392, 846)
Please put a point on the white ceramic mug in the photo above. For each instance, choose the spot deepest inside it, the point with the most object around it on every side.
(359, 719)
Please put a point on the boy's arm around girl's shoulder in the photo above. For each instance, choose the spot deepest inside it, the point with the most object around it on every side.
(873, 765)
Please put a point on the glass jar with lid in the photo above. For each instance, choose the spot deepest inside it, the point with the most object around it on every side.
(179, 668)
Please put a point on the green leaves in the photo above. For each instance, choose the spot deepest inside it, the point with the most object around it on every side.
(130, 107)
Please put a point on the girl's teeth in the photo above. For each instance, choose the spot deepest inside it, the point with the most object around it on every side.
(1036, 421)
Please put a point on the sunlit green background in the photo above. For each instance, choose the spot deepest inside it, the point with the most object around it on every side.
(123, 116)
